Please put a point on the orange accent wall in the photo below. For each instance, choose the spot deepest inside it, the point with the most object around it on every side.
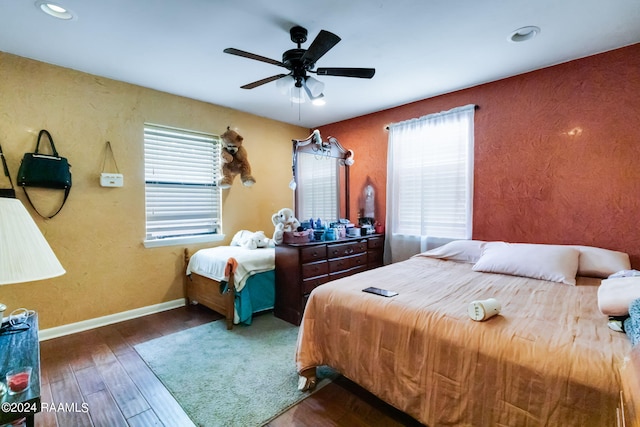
(557, 153)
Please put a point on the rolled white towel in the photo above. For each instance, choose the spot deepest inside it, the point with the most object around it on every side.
(615, 295)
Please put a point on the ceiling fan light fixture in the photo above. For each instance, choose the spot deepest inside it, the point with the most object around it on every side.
(284, 84)
(296, 95)
(524, 34)
(55, 10)
(310, 85)
(319, 100)
(298, 62)
(315, 87)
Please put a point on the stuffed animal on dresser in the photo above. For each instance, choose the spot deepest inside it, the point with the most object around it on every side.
(234, 160)
(283, 220)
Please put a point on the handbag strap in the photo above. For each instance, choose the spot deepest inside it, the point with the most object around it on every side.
(6, 168)
(66, 194)
(108, 150)
(53, 147)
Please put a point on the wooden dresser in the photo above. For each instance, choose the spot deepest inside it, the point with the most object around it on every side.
(302, 267)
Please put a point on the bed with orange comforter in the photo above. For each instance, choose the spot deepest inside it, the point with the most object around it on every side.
(548, 359)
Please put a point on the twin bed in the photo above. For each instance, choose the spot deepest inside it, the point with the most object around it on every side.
(548, 359)
(231, 280)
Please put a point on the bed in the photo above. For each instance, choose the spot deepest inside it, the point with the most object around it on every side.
(231, 280)
(548, 359)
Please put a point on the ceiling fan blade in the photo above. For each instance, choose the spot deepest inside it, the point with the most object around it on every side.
(363, 73)
(263, 81)
(320, 45)
(249, 55)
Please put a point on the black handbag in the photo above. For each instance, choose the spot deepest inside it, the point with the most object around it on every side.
(45, 171)
(7, 192)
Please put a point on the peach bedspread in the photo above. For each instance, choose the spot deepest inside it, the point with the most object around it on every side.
(548, 359)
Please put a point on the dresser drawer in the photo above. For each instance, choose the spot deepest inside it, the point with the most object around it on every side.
(346, 249)
(314, 269)
(376, 243)
(310, 284)
(346, 273)
(345, 263)
(375, 258)
(313, 253)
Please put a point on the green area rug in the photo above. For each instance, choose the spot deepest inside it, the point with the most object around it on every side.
(243, 377)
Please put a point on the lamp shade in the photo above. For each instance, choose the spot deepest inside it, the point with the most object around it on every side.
(25, 255)
(296, 95)
(284, 84)
(315, 87)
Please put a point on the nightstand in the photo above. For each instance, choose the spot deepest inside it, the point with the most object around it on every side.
(20, 348)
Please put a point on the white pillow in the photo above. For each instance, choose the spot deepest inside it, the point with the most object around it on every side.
(554, 263)
(598, 262)
(458, 250)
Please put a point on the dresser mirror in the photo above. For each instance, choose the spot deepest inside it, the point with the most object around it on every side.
(321, 178)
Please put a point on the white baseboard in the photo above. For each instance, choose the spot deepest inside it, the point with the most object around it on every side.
(72, 328)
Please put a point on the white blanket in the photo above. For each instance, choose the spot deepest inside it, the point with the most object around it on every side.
(211, 263)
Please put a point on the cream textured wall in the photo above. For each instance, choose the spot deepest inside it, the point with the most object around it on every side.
(98, 235)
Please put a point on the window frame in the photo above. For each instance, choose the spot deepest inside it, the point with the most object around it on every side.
(200, 181)
(412, 144)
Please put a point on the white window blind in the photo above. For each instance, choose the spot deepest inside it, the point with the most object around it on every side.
(182, 169)
(318, 183)
(430, 177)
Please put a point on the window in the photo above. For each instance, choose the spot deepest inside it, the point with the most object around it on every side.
(318, 183)
(182, 197)
(430, 180)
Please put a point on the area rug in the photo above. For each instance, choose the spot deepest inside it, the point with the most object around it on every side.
(244, 377)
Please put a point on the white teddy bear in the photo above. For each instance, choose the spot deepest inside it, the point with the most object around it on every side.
(283, 220)
(251, 240)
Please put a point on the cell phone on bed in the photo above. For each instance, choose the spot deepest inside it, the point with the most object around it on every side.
(378, 291)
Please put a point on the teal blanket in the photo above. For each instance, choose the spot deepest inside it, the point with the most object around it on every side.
(258, 294)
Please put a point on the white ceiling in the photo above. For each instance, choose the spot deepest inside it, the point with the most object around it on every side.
(419, 48)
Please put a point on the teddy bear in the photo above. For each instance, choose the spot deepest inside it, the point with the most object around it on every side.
(283, 220)
(234, 160)
(251, 240)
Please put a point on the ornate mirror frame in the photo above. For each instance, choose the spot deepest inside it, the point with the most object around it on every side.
(331, 148)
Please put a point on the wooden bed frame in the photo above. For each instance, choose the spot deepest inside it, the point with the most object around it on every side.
(208, 292)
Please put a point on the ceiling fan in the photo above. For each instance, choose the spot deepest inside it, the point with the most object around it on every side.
(300, 61)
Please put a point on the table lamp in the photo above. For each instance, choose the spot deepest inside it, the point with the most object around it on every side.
(25, 255)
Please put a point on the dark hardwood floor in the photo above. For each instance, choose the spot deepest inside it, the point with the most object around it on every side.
(96, 378)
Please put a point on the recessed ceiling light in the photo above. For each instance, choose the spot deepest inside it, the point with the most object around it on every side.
(55, 10)
(523, 34)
